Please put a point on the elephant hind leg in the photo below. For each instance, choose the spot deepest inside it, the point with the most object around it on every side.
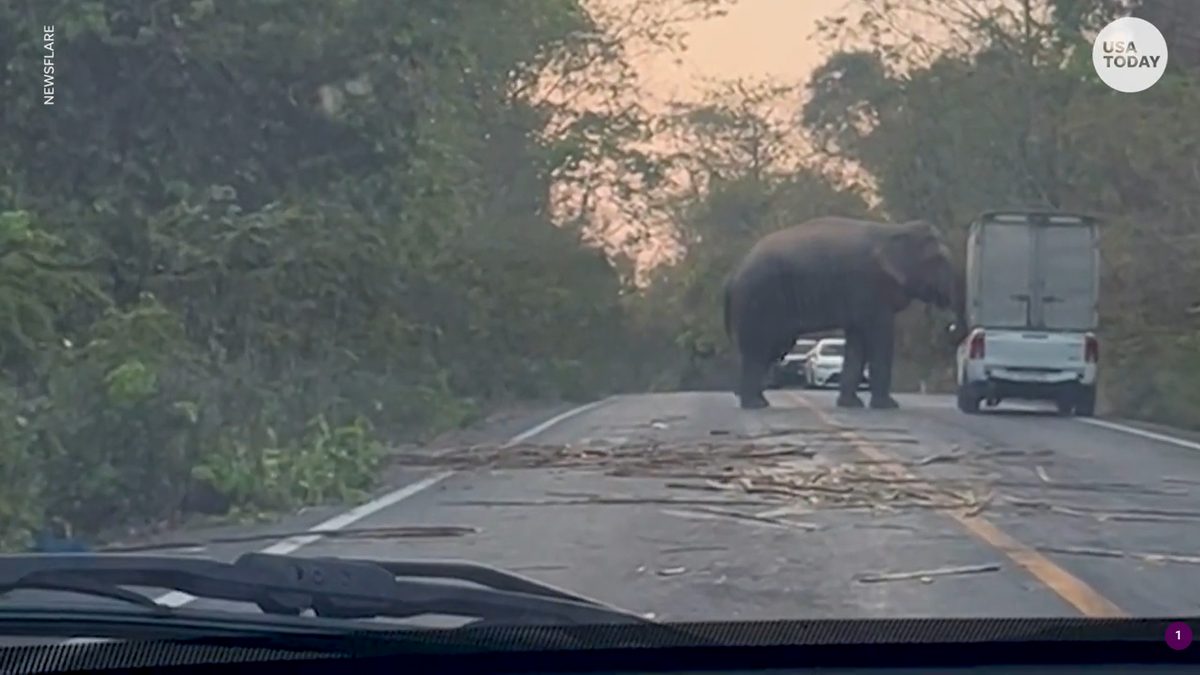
(753, 381)
(852, 369)
(881, 355)
(755, 403)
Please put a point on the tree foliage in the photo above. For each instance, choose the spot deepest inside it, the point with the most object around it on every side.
(251, 240)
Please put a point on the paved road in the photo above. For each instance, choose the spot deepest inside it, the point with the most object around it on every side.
(1050, 517)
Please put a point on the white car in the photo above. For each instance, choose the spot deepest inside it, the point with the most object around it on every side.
(823, 367)
(790, 369)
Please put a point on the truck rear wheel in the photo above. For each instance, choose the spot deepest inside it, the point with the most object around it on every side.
(968, 399)
(1085, 405)
(1065, 405)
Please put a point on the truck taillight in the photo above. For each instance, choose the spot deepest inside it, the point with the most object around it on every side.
(1091, 349)
(976, 346)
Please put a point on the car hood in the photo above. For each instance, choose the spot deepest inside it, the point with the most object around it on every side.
(832, 362)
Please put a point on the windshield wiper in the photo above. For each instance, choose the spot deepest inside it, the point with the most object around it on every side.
(335, 588)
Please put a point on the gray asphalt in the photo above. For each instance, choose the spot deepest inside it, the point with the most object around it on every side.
(1052, 517)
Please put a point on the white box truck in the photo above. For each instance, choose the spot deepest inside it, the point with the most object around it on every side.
(1033, 286)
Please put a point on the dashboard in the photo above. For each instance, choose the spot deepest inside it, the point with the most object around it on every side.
(1114, 669)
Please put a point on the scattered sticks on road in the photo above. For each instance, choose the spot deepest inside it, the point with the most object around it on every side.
(786, 470)
(1113, 553)
(1107, 515)
(801, 466)
(401, 532)
(926, 576)
(709, 513)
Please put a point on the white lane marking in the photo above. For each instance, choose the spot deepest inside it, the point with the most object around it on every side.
(534, 431)
(290, 545)
(177, 599)
(1190, 445)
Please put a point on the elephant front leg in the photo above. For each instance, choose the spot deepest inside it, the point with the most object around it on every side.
(752, 382)
(881, 346)
(852, 370)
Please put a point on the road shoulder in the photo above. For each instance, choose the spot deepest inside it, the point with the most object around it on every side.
(1188, 435)
(236, 538)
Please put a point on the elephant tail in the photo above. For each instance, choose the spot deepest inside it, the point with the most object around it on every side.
(727, 312)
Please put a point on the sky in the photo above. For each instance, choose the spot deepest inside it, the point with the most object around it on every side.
(757, 39)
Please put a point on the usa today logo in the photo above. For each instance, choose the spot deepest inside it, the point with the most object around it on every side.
(1130, 55)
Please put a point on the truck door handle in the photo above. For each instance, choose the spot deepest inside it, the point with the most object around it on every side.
(1051, 298)
(1024, 297)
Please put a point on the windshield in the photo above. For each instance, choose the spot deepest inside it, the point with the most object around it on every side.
(803, 346)
(512, 283)
(832, 349)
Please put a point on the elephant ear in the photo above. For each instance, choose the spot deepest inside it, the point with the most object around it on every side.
(905, 249)
(888, 254)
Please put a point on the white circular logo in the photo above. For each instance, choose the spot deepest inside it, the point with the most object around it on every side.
(1130, 55)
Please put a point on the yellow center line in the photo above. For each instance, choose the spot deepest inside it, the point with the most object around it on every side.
(1067, 586)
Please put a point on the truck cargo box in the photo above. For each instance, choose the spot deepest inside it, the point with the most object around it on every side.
(1033, 270)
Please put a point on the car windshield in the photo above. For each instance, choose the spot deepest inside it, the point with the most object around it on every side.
(802, 347)
(832, 349)
(510, 282)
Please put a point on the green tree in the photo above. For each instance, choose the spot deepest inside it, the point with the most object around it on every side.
(251, 241)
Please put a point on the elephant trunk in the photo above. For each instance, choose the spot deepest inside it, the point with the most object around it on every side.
(958, 304)
(727, 315)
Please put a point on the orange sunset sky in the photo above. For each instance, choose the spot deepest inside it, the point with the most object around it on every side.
(774, 39)
(757, 39)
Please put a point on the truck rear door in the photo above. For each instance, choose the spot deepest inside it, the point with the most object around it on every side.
(1003, 274)
(1001, 300)
(1007, 299)
(1069, 276)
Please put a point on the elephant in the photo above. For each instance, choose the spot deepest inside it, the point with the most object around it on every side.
(834, 273)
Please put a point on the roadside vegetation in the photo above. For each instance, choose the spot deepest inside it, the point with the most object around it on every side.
(253, 243)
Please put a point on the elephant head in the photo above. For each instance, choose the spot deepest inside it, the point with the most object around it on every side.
(920, 262)
(916, 258)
